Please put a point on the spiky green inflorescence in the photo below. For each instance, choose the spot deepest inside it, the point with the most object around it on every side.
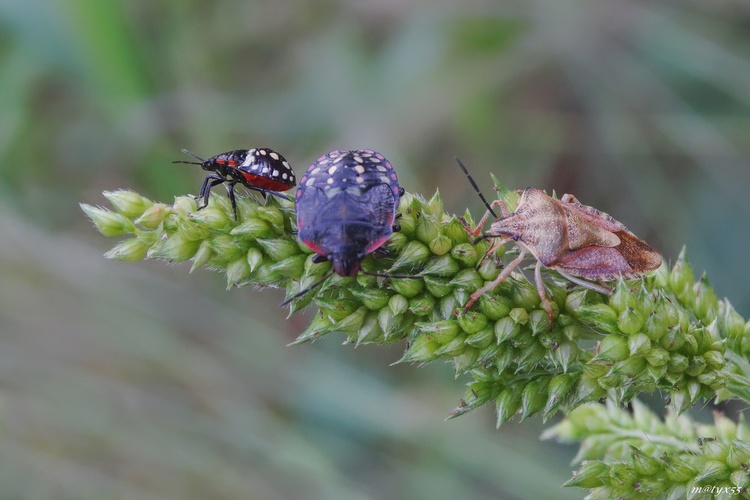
(638, 455)
(666, 331)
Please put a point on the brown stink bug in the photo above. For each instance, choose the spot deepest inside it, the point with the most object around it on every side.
(578, 241)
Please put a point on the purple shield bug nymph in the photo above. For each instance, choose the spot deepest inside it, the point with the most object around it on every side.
(346, 205)
(259, 169)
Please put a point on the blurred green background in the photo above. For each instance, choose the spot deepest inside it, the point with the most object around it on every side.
(142, 381)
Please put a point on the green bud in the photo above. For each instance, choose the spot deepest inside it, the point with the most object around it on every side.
(712, 379)
(714, 360)
(444, 265)
(407, 287)
(438, 287)
(533, 398)
(690, 344)
(575, 300)
(333, 308)
(558, 389)
(447, 306)
(422, 305)
(599, 316)
(494, 306)
(565, 355)
(657, 373)
(681, 278)
(629, 367)
(371, 298)
(237, 272)
(265, 275)
(524, 295)
(128, 203)
(466, 254)
(414, 254)
(210, 217)
(532, 354)
(441, 245)
(190, 230)
(353, 322)
(130, 250)
(472, 321)
(187, 204)
(316, 269)
(370, 330)
(678, 363)
(643, 465)
(622, 298)
(506, 405)
(712, 472)
(225, 247)
(253, 228)
(696, 366)
(630, 321)
(291, 267)
(489, 270)
(440, 331)
(153, 216)
(272, 215)
(454, 230)
(657, 357)
(613, 347)
(639, 344)
(655, 326)
(519, 315)
(453, 348)
(319, 326)
(466, 360)
(739, 478)
(732, 323)
(706, 302)
(398, 304)
(468, 279)
(278, 249)
(588, 390)
(202, 256)
(590, 475)
(506, 329)
(538, 321)
(421, 350)
(254, 258)
(677, 470)
(673, 340)
(482, 338)
(435, 205)
(693, 389)
(106, 222)
(427, 229)
(174, 249)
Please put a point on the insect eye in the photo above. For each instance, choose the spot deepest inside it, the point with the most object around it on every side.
(516, 236)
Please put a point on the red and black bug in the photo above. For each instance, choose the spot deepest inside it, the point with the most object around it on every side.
(259, 169)
(346, 206)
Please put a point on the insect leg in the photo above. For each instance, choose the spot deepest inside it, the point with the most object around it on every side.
(210, 181)
(230, 192)
(586, 284)
(540, 290)
(478, 229)
(500, 278)
(264, 191)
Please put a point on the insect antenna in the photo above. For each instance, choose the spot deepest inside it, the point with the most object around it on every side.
(474, 185)
(199, 162)
(302, 292)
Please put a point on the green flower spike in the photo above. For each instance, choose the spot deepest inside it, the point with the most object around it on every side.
(665, 333)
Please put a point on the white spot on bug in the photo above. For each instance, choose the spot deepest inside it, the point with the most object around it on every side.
(286, 164)
(315, 171)
(359, 169)
(265, 170)
(248, 160)
(356, 191)
(274, 155)
(384, 179)
(332, 169)
(310, 181)
(332, 191)
(283, 175)
(330, 180)
(263, 152)
(375, 160)
(275, 173)
(381, 168)
(360, 179)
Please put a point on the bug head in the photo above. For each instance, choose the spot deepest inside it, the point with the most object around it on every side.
(346, 260)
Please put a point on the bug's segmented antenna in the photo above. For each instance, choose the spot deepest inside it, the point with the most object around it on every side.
(187, 152)
(474, 185)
